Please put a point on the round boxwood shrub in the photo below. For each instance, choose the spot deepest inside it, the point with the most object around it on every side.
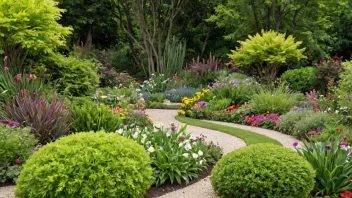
(87, 165)
(263, 170)
(303, 79)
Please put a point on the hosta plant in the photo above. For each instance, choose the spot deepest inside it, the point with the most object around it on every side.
(175, 156)
(49, 120)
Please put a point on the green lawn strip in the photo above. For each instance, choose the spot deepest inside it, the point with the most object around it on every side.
(247, 136)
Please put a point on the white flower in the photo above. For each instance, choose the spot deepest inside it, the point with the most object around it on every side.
(104, 97)
(120, 131)
(138, 90)
(194, 155)
(187, 141)
(148, 143)
(135, 135)
(180, 144)
(188, 147)
(186, 155)
(329, 109)
(337, 111)
(151, 149)
(201, 162)
(200, 153)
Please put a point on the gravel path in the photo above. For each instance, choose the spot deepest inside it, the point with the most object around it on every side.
(285, 140)
(7, 192)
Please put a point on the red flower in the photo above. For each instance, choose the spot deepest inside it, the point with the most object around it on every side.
(18, 77)
(5, 59)
(346, 194)
(18, 161)
(340, 130)
(345, 138)
(6, 69)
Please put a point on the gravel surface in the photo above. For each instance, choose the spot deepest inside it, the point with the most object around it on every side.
(7, 192)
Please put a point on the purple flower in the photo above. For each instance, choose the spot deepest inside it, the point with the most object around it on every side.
(10, 123)
(295, 144)
(328, 147)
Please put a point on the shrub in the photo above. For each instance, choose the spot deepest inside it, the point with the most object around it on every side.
(303, 79)
(49, 120)
(330, 160)
(328, 71)
(263, 170)
(74, 76)
(94, 117)
(175, 156)
(288, 120)
(266, 53)
(87, 165)
(344, 91)
(155, 84)
(16, 145)
(278, 100)
(237, 94)
(315, 121)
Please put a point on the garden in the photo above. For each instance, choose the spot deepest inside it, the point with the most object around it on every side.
(124, 99)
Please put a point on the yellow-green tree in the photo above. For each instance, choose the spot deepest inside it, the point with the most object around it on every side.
(265, 53)
(29, 27)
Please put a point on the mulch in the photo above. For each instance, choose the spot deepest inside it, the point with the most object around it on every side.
(168, 187)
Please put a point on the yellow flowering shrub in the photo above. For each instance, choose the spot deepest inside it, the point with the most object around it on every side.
(188, 103)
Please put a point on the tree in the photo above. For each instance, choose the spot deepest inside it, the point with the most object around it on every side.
(155, 20)
(308, 20)
(264, 53)
(94, 22)
(29, 27)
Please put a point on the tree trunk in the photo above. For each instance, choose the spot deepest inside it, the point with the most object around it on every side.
(89, 39)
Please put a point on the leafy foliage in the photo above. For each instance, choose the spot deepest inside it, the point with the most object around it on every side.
(94, 117)
(174, 57)
(246, 172)
(49, 120)
(314, 121)
(74, 76)
(176, 95)
(265, 53)
(333, 169)
(17, 145)
(344, 90)
(30, 27)
(87, 165)
(175, 156)
(288, 120)
(277, 100)
(303, 79)
(327, 72)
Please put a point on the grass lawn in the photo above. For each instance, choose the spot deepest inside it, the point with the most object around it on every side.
(247, 136)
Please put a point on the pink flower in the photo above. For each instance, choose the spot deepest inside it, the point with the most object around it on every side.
(31, 76)
(18, 161)
(18, 77)
(6, 69)
(5, 59)
(24, 93)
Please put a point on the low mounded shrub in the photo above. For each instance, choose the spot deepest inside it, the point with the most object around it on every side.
(315, 121)
(176, 95)
(16, 145)
(263, 170)
(87, 165)
(303, 79)
(288, 120)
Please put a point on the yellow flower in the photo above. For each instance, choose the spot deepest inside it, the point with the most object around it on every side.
(149, 119)
(182, 105)
(182, 112)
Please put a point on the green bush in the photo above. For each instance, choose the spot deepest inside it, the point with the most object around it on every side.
(16, 145)
(87, 165)
(303, 79)
(219, 104)
(263, 170)
(277, 100)
(314, 121)
(73, 76)
(288, 120)
(344, 92)
(94, 117)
